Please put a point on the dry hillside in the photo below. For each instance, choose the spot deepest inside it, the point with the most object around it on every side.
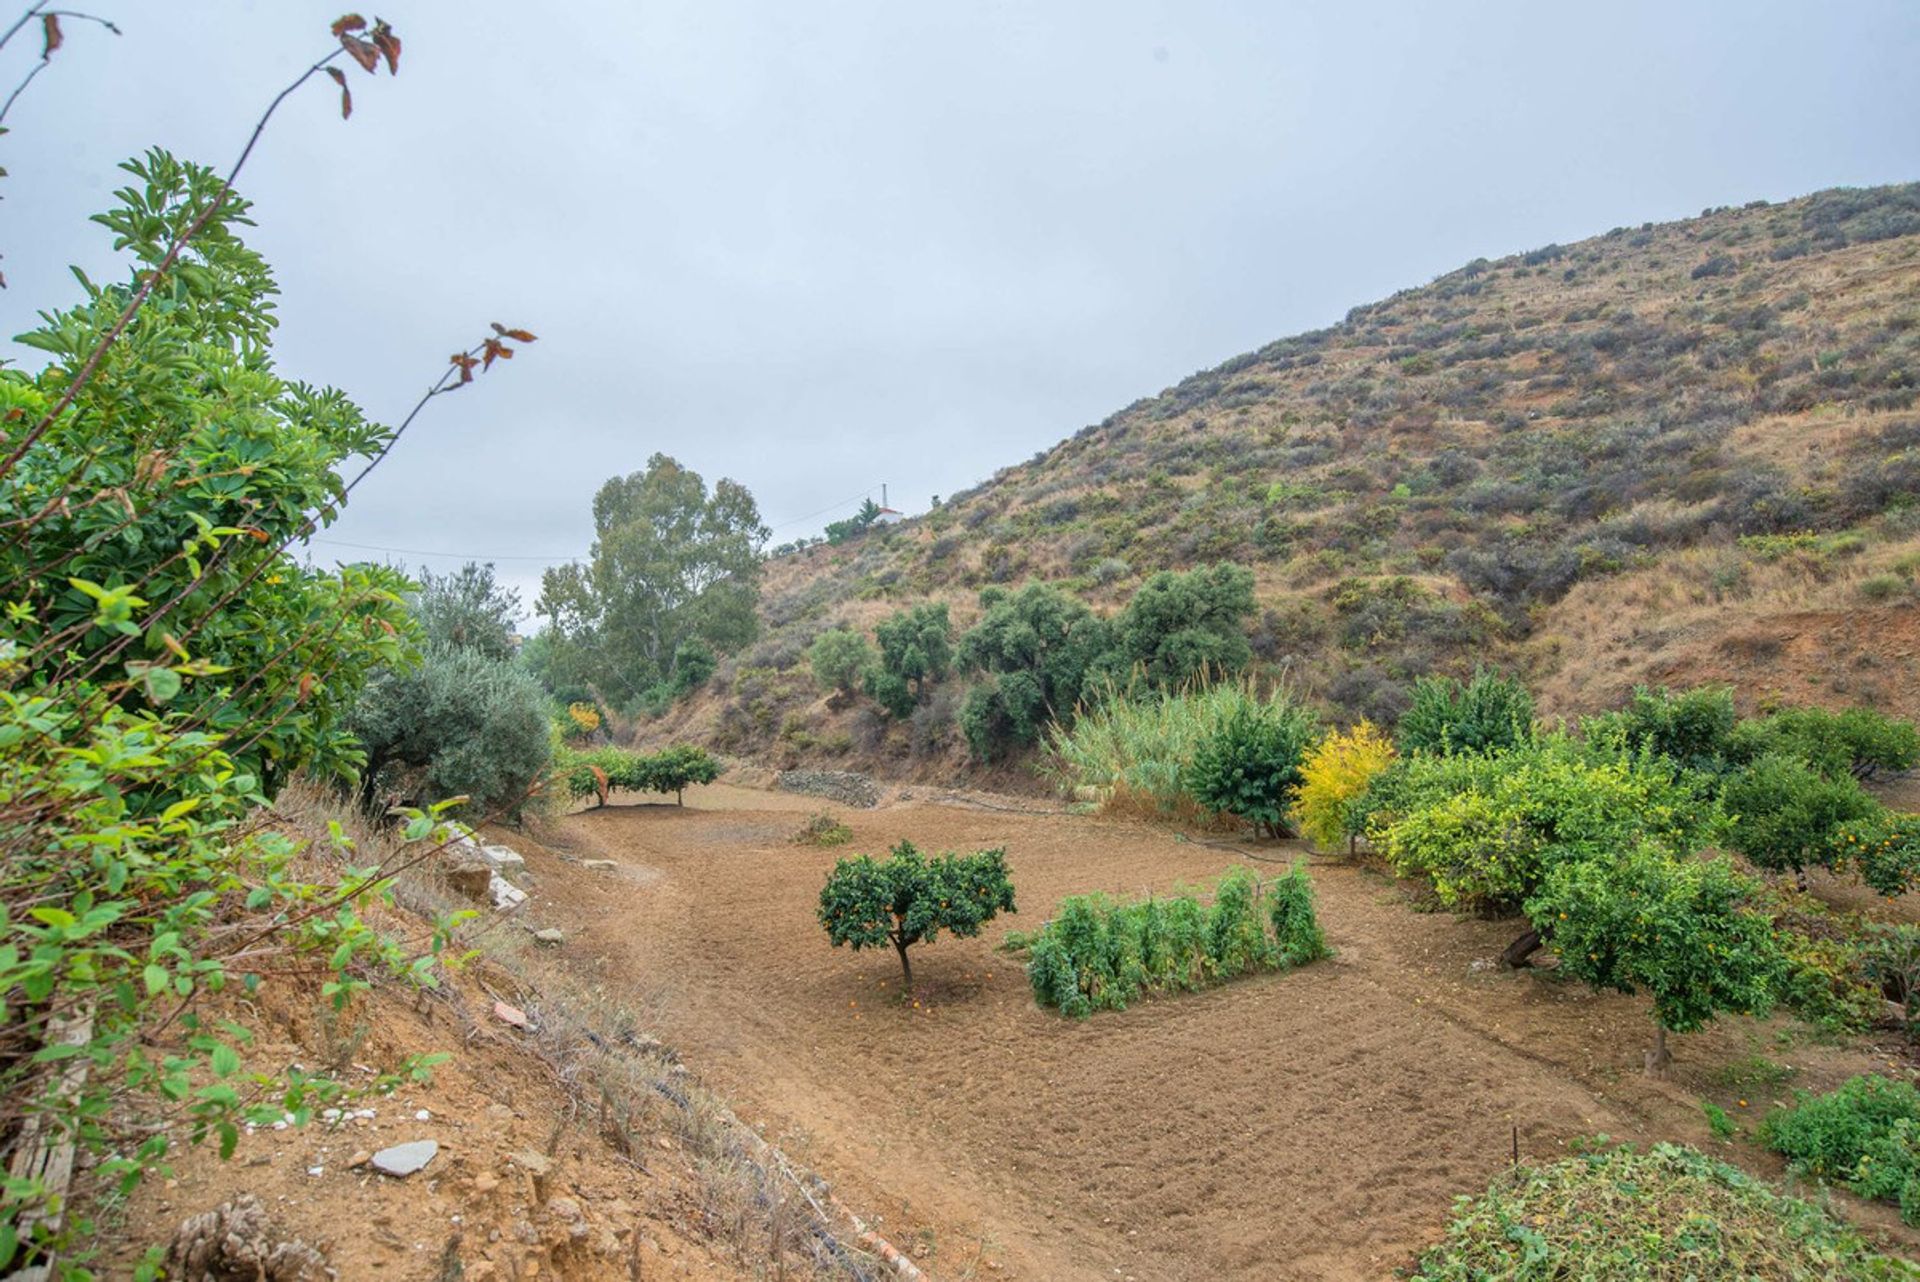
(1678, 452)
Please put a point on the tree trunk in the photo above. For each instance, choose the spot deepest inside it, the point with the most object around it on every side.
(906, 967)
(1516, 954)
(1659, 1059)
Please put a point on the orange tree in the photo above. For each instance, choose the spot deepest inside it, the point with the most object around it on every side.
(908, 899)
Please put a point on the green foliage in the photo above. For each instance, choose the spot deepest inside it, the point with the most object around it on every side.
(671, 564)
(839, 532)
(1671, 1213)
(1884, 848)
(167, 664)
(1135, 752)
(1182, 628)
(916, 650)
(1690, 726)
(907, 899)
(1784, 815)
(1486, 827)
(841, 659)
(1489, 712)
(600, 771)
(1718, 1121)
(1685, 930)
(467, 610)
(1865, 1134)
(1045, 652)
(1096, 954)
(457, 723)
(1858, 741)
(1249, 766)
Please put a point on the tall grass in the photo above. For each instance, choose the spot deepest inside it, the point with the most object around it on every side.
(1133, 751)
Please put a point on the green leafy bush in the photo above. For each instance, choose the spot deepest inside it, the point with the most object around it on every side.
(1684, 930)
(1097, 954)
(907, 899)
(1046, 650)
(1249, 767)
(1690, 726)
(458, 723)
(1671, 1213)
(1883, 848)
(823, 830)
(1784, 815)
(1865, 1134)
(841, 659)
(1858, 741)
(1490, 712)
(602, 770)
(916, 650)
(1181, 628)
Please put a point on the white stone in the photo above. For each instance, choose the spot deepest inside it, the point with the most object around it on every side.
(404, 1159)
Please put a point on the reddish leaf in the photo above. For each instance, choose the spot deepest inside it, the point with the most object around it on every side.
(306, 686)
(466, 364)
(361, 52)
(520, 336)
(254, 532)
(491, 350)
(50, 29)
(351, 22)
(388, 43)
(346, 94)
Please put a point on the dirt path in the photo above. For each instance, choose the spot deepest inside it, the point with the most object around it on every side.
(1313, 1125)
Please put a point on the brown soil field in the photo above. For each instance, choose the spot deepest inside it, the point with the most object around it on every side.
(1312, 1125)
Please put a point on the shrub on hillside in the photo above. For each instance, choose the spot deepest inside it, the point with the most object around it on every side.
(916, 650)
(840, 659)
(1180, 628)
(1096, 954)
(456, 724)
(907, 899)
(1335, 773)
(1669, 1213)
(1249, 766)
(1047, 650)
(1486, 713)
(603, 770)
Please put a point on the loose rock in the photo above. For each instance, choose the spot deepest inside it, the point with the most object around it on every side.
(403, 1160)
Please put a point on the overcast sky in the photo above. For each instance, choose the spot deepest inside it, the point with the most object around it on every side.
(820, 246)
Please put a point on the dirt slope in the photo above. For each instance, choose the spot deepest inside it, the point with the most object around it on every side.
(1313, 1125)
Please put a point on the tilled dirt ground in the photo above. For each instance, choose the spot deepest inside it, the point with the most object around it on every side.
(1312, 1125)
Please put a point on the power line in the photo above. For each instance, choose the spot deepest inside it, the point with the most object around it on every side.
(511, 556)
(458, 556)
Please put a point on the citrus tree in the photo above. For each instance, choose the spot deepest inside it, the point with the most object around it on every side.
(908, 899)
(1684, 930)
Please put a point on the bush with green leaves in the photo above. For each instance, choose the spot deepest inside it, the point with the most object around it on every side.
(907, 899)
(916, 650)
(168, 664)
(601, 771)
(1860, 742)
(1249, 767)
(1042, 652)
(1883, 848)
(1487, 826)
(1690, 726)
(1686, 931)
(840, 659)
(1865, 1134)
(1487, 713)
(467, 610)
(1670, 1213)
(457, 723)
(1098, 954)
(1786, 816)
(1186, 627)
